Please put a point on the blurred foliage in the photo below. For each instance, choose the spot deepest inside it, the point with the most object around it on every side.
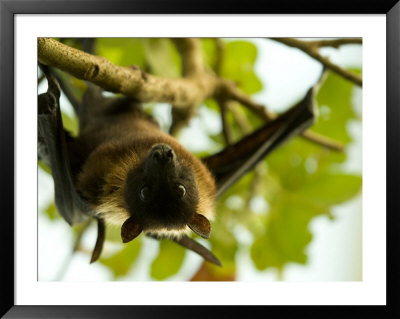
(169, 260)
(70, 124)
(297, 182)
(238, 65)
(121, 51)
(51, 211)
(121, 262)
(44, 167)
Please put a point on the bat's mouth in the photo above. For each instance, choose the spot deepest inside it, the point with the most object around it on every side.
(198, 223)
(168, 231)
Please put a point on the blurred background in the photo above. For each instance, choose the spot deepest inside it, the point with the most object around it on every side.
(296, 217)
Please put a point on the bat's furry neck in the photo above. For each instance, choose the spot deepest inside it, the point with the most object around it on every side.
(117, 141)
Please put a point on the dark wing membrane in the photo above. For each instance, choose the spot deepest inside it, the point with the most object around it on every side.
(192, 245)
(53, 151)
(229, 165)
(197, 248)
(101, 230)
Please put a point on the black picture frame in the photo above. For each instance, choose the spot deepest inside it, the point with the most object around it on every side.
(8, 10)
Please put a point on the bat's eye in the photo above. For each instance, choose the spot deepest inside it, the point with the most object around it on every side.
(181, 190)
(145, 193)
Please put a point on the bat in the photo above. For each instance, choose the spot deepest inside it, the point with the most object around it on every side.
(122, 169)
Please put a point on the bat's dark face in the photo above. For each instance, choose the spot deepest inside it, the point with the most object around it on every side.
(161, 194)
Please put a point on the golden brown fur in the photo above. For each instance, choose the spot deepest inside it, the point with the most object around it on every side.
(114, 142)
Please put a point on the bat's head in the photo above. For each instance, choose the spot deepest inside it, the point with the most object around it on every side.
(162, 195)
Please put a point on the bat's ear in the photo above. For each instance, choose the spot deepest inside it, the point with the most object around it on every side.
(130, 230)
(200, 225)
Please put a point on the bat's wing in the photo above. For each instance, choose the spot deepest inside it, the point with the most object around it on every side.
(194, 246)
(53, 151)
(229, 165)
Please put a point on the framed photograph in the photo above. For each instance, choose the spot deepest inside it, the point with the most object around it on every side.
(163, 159)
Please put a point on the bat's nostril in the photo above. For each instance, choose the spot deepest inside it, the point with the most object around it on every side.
(157, 155)
(170, 154)
(162, 153)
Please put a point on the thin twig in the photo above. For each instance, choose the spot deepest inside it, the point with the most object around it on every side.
(220, 54)
(261, 111)
(192, 67)
(67, 91)
(192, 59)
(230, 90)
(256, 183)
(311, 48)
(323, 141)
(334, 43)
(40, 78)
(241, 120)
(226, 132)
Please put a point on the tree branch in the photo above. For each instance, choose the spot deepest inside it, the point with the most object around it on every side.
(192, 59)
(193, 68)
(311, 48)
(129, 81)
(185, 94)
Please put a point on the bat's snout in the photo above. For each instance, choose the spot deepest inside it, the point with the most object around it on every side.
(162, 154)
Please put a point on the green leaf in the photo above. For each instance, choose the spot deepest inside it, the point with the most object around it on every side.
(242, 188)
(162, 57)
(335, 105)
(250, 83)
(241, 51)
(300, 162)
(286, 234)
(212, 105)
(218, 139)
(121, 262)
(44, 167)
(331, 189)
(169, 260)
(51, 212)
(122, 51)
(238, 65)
(70, 124)
(223, 241)
(72, 42)
(209, 49)
(76, 86)
(113, 234)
